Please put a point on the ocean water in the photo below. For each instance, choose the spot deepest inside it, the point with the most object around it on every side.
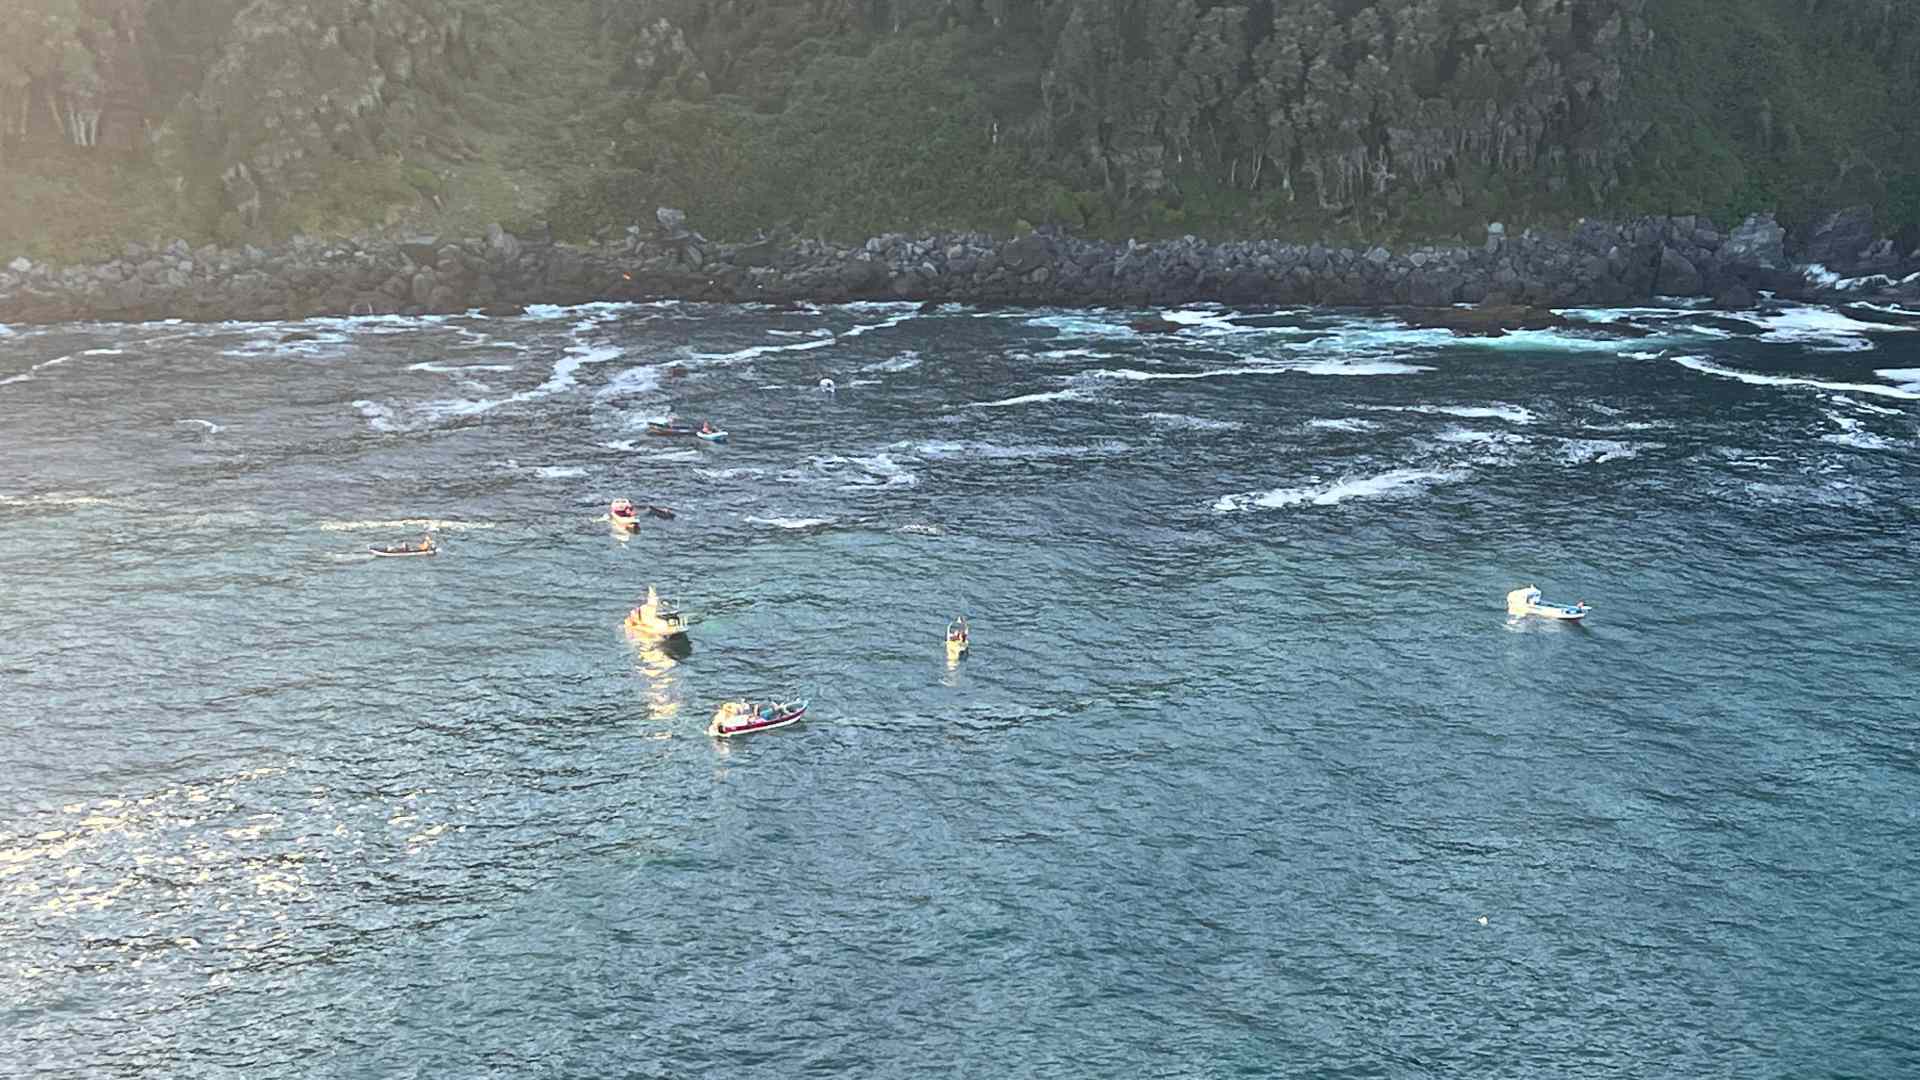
(1249, 773)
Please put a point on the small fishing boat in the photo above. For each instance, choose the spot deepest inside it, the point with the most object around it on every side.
(958, 639)
(623, 515)
(711, 434)
(656, 618)
(426, 546)
(1523, 602)
(751, 718)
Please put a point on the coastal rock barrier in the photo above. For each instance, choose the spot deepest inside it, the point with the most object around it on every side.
(1594, 264)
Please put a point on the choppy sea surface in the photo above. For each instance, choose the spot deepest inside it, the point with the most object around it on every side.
(1249, 772)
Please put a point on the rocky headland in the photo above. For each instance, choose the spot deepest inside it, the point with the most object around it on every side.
(1513, 277)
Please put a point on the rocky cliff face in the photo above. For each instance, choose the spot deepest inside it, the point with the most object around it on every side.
(1599, 263)
(311, 82)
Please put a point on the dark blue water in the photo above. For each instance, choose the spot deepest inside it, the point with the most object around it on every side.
(1246, 751)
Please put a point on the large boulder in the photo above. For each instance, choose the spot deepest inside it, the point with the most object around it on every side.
(672, 223)
(1839, 240)
(1759, 243)
(1677, 275)
(422, 250)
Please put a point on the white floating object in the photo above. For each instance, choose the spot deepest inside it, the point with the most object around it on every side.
(1483, 920)
(826, 386)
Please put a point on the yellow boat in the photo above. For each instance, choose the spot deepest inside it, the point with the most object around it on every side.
(958, 639)
(656, 618)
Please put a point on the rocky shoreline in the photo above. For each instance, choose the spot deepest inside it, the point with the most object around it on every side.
(1839, 259)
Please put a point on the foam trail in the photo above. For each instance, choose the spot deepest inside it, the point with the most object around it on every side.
(762, 350)
(1189, 423)
(1499, 410)
(451, 369)
(1030, 399)
(212, 428)
(1397, 483)
(27, 375)
(434, 524)
(856, 331)
(1706, 367)
(791, 523)
(906, 361)
(1346, 423)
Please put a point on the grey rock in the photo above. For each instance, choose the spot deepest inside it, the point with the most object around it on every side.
(673, 223)
(1838, 240)
(1758, 242)
(21, 265)
(421, 250)
(1677, 275)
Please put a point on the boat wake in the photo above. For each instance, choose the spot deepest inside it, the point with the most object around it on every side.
(28, 374)
(433, 524)
(791, 524)
(1397, 483)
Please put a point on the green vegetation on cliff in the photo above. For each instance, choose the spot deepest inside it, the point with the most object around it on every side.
(1384, 119)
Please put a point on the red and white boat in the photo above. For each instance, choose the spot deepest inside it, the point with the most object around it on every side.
(623, 515)
(751, 718)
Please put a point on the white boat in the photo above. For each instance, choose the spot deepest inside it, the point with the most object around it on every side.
(750, 718)
(712, 435)
(1523, 602)
(623, 515)
(655, 618)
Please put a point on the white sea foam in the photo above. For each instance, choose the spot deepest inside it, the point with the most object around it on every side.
(1598, 451)
(598, 311)
(559, 472)
(1184, 422)
(1824, 329)
(1907, 378)
(52, 498)
(1361, 367)
(867, 328)
(728, 474)
(1499, 410)
(906, 361)
(940, 450)
(455, 369)
(1031, 399)
(430, 524)
(756, 351)
(1082, 326)
(636, 380)
(1640, 355)
(792, 523)
(1704, 366)
(1854, 434)
(212, 428)
(1397, 483)
(379, 417)
(42, 365)
(1344, 423)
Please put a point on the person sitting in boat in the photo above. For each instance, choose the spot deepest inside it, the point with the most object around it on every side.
(426, 543)
(706, 427)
